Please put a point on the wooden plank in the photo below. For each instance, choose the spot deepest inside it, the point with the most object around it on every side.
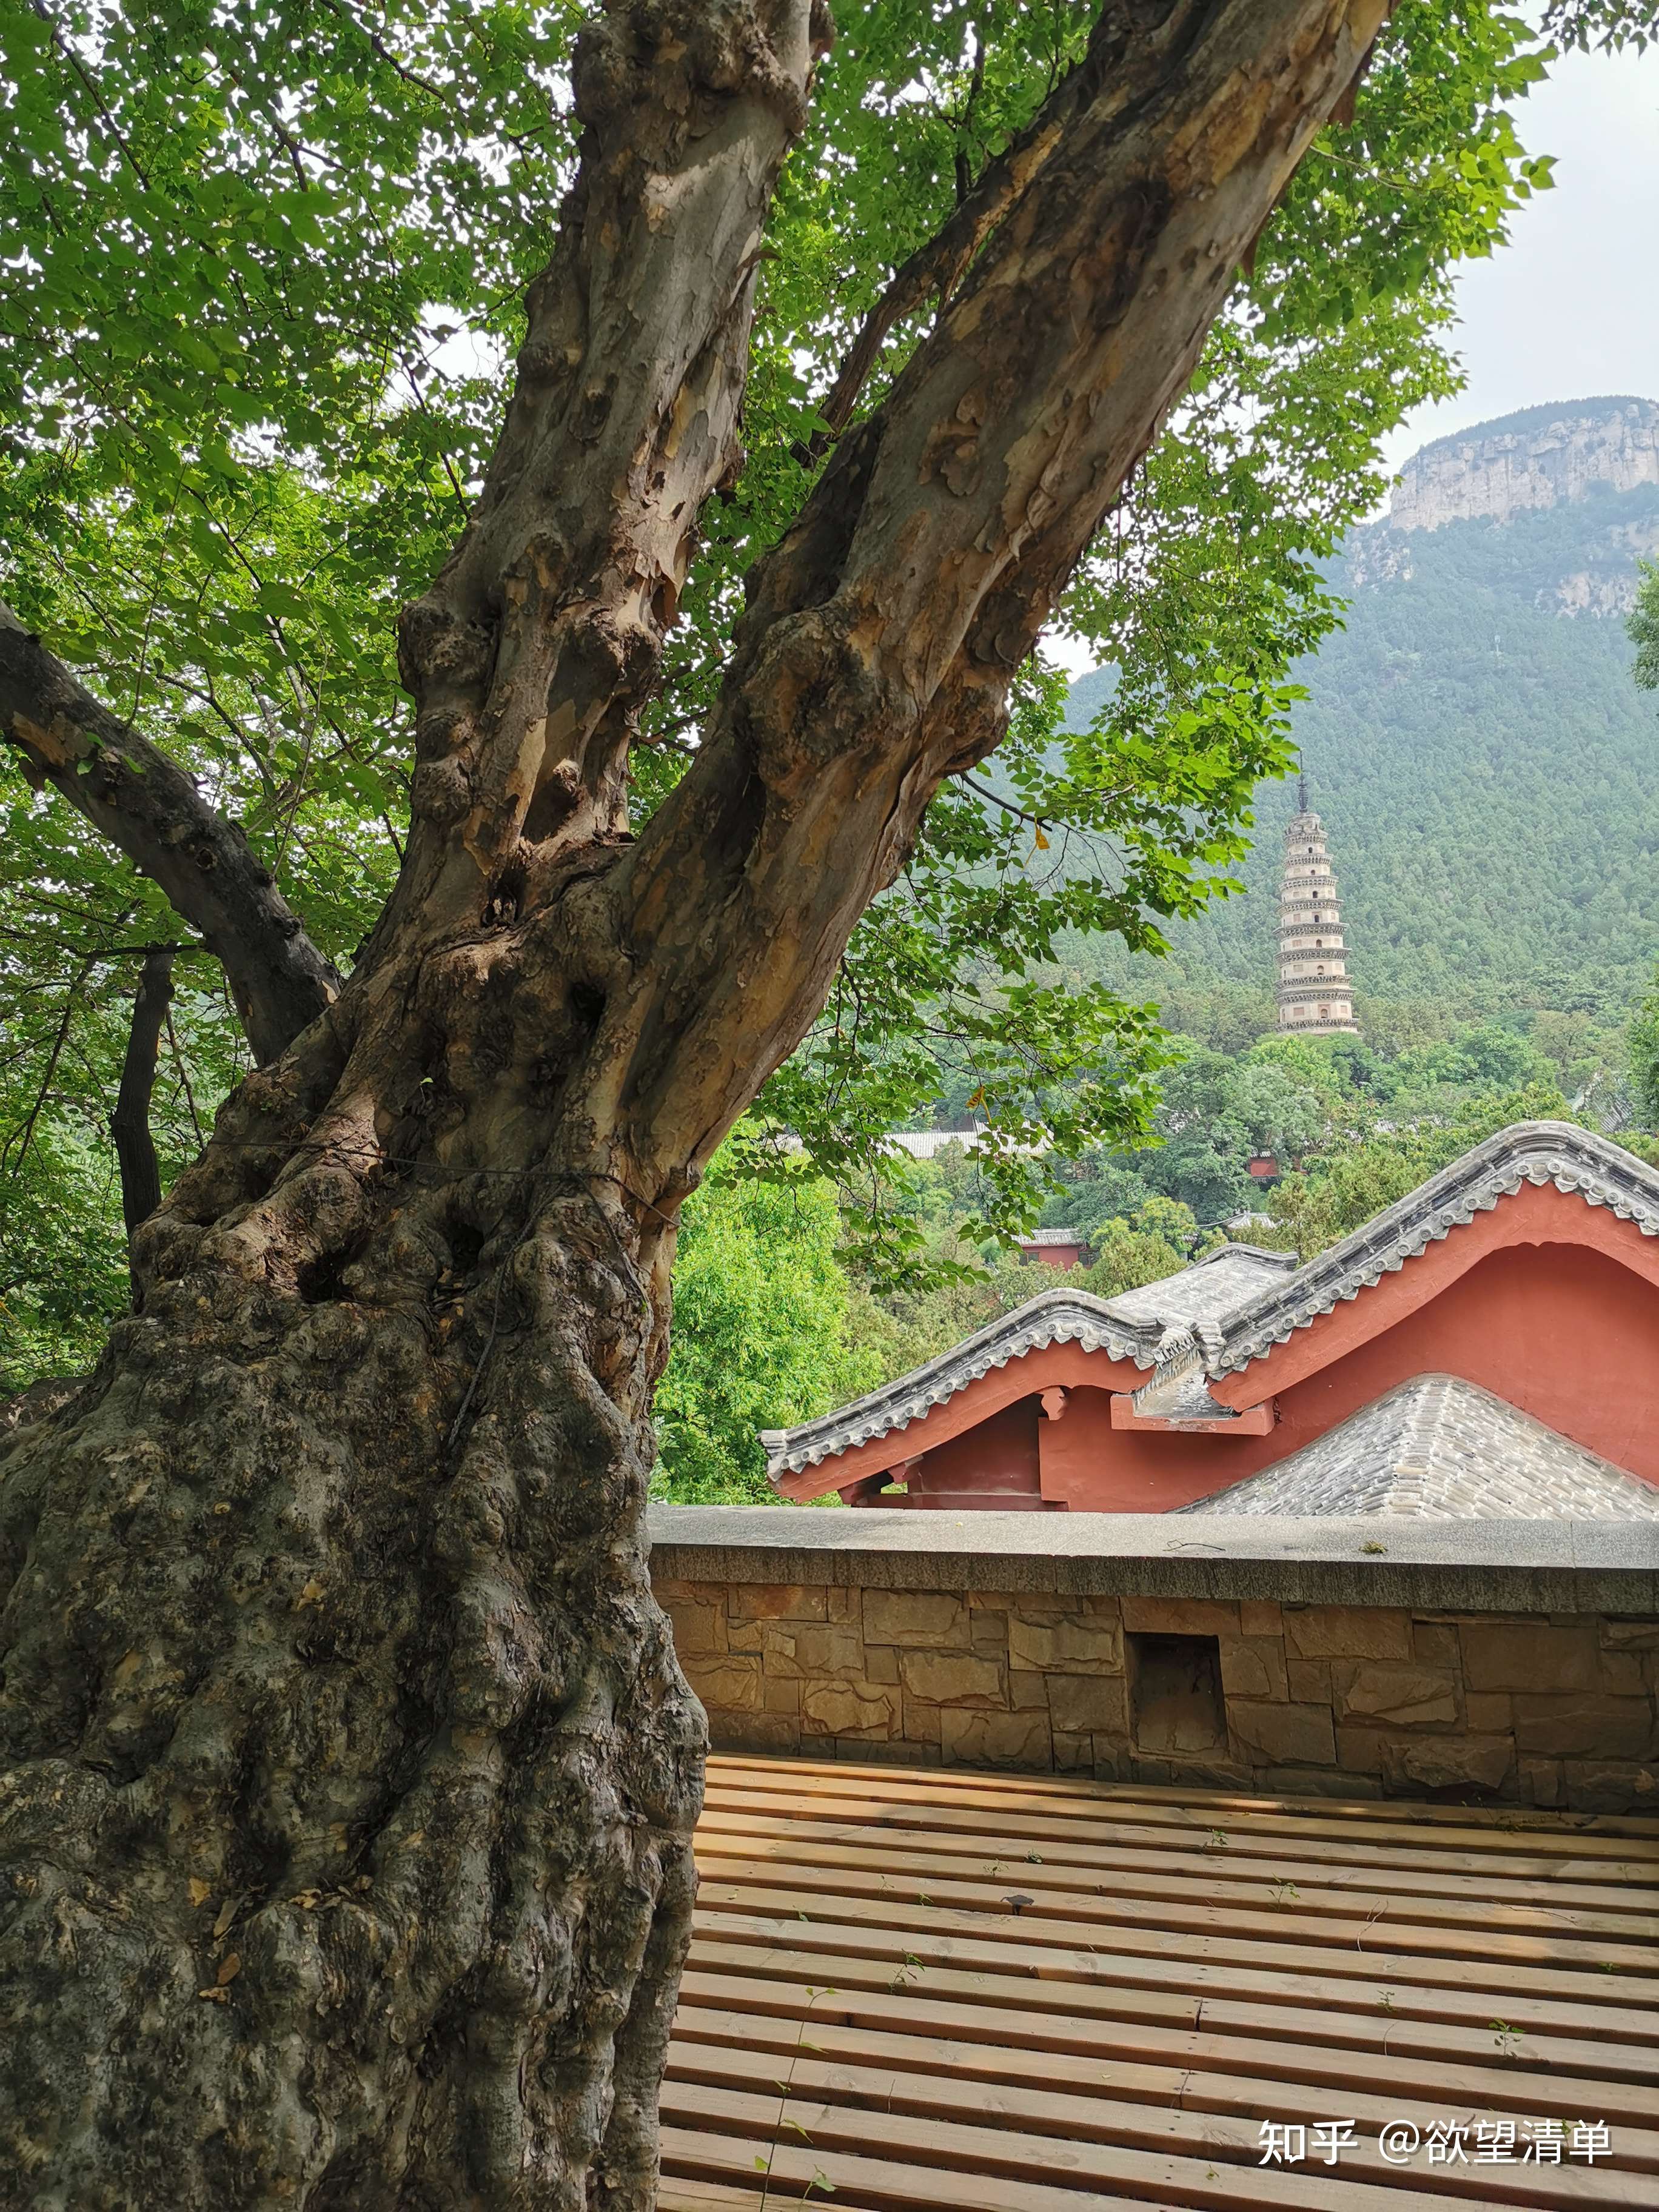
(782, 2007)
(793, 2177)
(1385, 2028)
(963, 2158)
(1170, 1869)
(758, 2041)
(1182, 1967)
(1583, 1973)
(1434, 1901)
(1194, 1963)
(1295, 1914)
(1393, 1821)
(1641, 1825)
(1019, 1833)
(674, 2195)
(940, 1788)
(897, 2080)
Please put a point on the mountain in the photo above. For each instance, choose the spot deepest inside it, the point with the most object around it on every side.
(1487, 771)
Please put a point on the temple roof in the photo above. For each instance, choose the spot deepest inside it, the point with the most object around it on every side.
(1573, 1159)
(1439, 1448)
(1211, 1288)
(1143, 1326)
(1061, 1317)
(1233, 1306)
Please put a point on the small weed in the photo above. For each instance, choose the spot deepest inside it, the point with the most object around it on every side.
(912, 1965)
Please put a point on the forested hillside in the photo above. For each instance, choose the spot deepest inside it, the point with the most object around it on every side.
(1488, 771)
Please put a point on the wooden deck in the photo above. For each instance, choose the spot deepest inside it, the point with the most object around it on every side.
(925, 1990)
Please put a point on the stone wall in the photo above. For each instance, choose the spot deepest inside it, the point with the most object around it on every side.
(1352, 1700)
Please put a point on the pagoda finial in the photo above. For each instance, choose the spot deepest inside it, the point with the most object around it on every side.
(1302, 793)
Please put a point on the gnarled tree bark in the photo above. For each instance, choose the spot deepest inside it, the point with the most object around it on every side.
(345, 1843)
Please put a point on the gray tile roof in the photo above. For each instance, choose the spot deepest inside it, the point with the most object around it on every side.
(1180, 1391)
(1573, 1159)
(1439, 1448)
(1062, 1316)
(1141, 1324)
(1212, 1287)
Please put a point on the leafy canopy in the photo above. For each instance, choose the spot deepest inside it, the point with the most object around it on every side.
(761, 1337)
(264, 268)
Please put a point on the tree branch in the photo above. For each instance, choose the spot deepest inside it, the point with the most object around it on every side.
(530, 656)
(884, 630)
(144, 802)
(938, 267)
(128, 1126)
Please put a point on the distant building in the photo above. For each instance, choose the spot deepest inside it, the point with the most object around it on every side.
(928, 1143)
(1055, 1248)
(1314, 996)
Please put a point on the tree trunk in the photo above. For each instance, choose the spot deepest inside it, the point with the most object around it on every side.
(129, 1124)
(346, 1840)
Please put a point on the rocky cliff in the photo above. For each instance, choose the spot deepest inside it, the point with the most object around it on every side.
(1539, 458)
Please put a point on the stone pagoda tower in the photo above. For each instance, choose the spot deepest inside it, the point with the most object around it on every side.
(1314, 996)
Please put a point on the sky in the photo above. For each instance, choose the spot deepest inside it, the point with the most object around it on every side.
(1570, 309)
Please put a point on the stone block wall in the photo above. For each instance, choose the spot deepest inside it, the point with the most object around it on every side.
(1553, 1709)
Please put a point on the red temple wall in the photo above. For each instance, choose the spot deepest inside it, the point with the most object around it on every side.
(1052, 1255)
(1065, 1365)
(1090, 1466)
(1560, 1330)
(1564, 1332)
(1533, 1216)
(994, 1465)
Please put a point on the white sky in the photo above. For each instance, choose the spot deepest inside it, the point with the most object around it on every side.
(1570, 309)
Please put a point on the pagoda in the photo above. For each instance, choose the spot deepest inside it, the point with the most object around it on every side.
(1314, 996)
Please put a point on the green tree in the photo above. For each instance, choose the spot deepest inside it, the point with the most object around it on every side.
(1643, 627)
(1643, 1032)
(1643, 1038)
(62, 1284)
(1343, 1188)
(761, 1333)
(1155, 1242)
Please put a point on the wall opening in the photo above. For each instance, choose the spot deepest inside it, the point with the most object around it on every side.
(1174, 1694)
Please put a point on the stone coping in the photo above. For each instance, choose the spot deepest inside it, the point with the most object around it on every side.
(1460, 1565)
